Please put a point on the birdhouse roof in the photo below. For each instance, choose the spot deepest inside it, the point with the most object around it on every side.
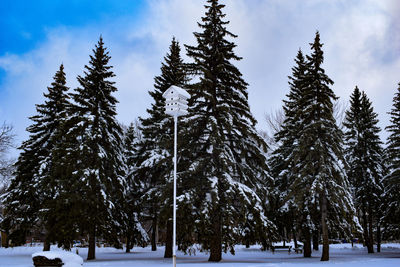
(178, 90)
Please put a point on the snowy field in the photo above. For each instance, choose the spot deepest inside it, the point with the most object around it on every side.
(341, 255)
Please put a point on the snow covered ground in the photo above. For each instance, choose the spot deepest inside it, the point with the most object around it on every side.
(341, 255)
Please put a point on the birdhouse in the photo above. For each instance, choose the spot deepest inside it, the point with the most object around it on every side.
(176, 101)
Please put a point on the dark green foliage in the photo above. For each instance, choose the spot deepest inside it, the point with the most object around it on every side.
(226, 184)
(392, 179)
(133, 230)
(282, 161)
(364, 156)
(94, 152)
(153, 153)
(31, 192)
(320, 189)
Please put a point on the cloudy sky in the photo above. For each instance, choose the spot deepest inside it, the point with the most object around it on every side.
(361, 37)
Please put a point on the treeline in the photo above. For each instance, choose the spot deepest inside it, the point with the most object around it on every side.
(329, 181)
(81, 173)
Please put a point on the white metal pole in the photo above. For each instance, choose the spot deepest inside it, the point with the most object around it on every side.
(174, 216)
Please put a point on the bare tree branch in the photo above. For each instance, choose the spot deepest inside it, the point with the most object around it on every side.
(6, 138)
(6, 142)
(274, 122)
(276, 118)
(339, 112)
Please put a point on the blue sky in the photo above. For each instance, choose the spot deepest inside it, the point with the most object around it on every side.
(362, 47)
(24, 24)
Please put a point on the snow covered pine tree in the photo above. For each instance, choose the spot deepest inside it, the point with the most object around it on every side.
(153, 157)
(320, 188)
(32, 190)
(96, 152)
(364, 154)
(281, 161)
(392, 179)
(227, 181)
(133, 229)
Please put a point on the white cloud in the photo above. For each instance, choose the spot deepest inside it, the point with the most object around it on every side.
(357, 49)
(361, 43)
(28, 75)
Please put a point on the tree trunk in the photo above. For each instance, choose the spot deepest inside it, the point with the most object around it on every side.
(264, 244)
(154, 235)
(46, 245)
(284, 236)
(315, 240)
(365, 228)
(6, 240)
(294, 237)
(378, 237)
(216, 238)
(128, 242)
(370, 231)
(168, 241)
(324, 225)
(307, 244)
(92, 244)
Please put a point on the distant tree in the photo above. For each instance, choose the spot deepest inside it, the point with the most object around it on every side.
(275, 119)
(364, 156)
(94, 152)
(339, 112)
(33, 187)
(6, 143)
(134, 231)
(226, 184)
(274, 122)
(154, 152)
(6, 165)
(392, 179)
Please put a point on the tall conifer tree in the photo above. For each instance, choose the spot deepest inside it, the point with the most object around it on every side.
(33, 187)
(96, 155)
(282, 161)
(227, 180)
(320, 188)
(134, 231)
(364, 157)
(392, 179)
(154, 152)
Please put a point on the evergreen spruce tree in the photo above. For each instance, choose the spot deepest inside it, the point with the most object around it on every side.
(21, 204)
(28, 201)
(134, 231)
(95, 153)
(154, 152)
(281, 161)
(320, 188)
(364, 157)
(392, 179)
(222, 194)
